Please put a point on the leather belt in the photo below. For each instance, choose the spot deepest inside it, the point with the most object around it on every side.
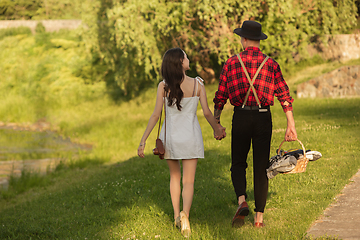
(257, 108)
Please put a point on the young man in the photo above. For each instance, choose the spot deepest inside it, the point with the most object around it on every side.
(250, 80)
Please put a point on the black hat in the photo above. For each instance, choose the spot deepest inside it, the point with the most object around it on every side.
(251, 30)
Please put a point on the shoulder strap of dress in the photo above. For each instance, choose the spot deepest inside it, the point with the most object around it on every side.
(195, 86)
(200, 81)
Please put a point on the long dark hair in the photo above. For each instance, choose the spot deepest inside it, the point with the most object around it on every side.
(172, 72)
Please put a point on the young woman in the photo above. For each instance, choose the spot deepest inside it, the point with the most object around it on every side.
(183, 139)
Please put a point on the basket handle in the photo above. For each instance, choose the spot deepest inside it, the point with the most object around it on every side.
(302, 145)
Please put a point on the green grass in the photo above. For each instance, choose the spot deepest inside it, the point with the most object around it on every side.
(129, 199)
(14, 31)
(18, 144)
(112, 194)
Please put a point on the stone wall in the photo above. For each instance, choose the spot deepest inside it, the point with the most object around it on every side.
(342, 82)
(50, 25)
(342, 47)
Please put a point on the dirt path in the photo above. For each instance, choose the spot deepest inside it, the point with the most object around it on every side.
(341, 219)
(33, 148)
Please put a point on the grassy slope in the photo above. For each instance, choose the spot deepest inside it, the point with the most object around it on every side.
(128, 198)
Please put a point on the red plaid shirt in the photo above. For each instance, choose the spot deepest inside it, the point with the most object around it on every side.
(233, 83)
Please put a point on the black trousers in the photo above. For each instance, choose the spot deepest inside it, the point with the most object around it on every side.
(251, 126)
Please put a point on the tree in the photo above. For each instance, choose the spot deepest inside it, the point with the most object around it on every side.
(18, 9)
(38, 9)
(128, 38)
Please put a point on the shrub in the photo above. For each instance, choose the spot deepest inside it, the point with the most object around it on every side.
(14, 31)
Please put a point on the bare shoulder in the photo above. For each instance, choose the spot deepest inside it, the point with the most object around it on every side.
(161, 84)
(161, 88)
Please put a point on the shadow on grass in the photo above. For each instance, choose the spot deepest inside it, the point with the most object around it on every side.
(92, 200)
(127, 199)
(120, 200)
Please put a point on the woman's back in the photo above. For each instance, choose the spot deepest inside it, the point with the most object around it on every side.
(183, 132)
(188, 86)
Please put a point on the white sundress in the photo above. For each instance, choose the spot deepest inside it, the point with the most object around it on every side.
(183, 133)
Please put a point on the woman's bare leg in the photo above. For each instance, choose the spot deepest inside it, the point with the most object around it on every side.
(175, 189)
(189, 169)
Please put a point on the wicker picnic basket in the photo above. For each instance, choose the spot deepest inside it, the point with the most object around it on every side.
(301, 162)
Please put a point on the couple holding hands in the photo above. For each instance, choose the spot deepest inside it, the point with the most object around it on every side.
(250, 80)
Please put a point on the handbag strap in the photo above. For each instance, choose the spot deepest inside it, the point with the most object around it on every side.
(251, 82)
(161, 116)
(164, 118)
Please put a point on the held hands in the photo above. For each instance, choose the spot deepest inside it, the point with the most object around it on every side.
(219, 133)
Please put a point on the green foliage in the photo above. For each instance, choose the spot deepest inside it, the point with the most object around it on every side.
(40, 28)
(14, 31)
(128, 60)
(125, 40)
(38, 9)
(39, 73)
(18, 9)
(55, 9)
(128, 38)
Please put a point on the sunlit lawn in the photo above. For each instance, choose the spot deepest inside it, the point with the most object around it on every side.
(110, 193)
(128, 198)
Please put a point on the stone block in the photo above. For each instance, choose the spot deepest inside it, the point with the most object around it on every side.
(342, 82)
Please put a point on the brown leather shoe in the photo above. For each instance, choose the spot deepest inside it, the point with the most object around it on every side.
(241, 212)
(259, 225)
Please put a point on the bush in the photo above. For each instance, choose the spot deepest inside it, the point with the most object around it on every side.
(14, 31)
(40, 28)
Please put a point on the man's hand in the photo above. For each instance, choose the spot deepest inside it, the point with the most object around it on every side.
(290, 134)
(219, 136)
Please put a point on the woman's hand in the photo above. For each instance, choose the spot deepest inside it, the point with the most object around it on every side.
(141, 149)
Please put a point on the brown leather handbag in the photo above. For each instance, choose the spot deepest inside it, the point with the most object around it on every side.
(159, 146)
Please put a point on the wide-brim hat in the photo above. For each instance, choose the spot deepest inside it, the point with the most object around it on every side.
(251, 30)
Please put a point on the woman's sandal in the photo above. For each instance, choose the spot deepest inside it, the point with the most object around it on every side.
(177, 222)
(185, 225)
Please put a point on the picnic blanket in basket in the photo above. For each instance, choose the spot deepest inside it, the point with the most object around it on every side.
(291, 161)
